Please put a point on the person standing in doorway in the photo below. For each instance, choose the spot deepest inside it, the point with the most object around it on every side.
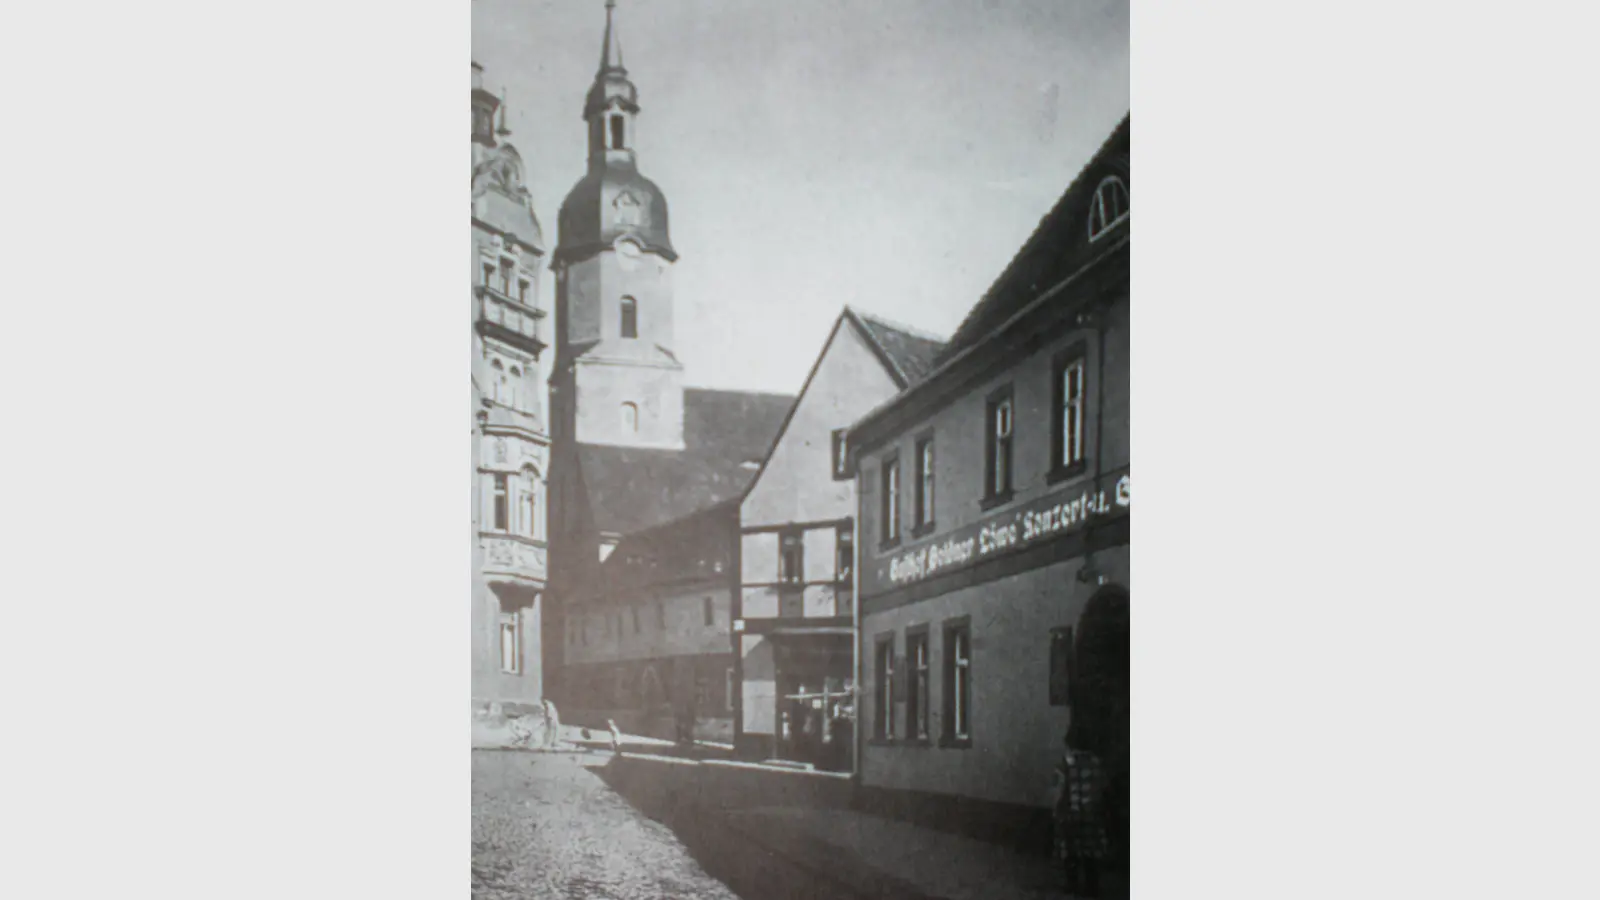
(1080, 815)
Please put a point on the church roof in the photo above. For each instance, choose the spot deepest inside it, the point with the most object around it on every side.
(908, 353)
(611, 202)
(726, 434)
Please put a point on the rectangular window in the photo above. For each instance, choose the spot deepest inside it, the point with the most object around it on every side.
(845, 564)
(792, 558)
(630, 317)
(924, 488)
(917, 688)
(1069, 413)
(883, 697)
(635, 620)
(958, 681)
(617, 133)
(1061, 665)
(502, 505)
(711, 613)
(661, 615)
(510, 643)
(840, 454)
(890, 510)
(488, 273)
(523, 286)
(508, 272)
(997, 459)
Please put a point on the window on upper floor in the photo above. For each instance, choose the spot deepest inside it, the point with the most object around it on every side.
(998, 475)
(661, 615)
(530, 504)
(840, 454)
(635, 620)
(524, 289)
(1109, 207)
(630, 317)
(513, 381)
(488, 273)
(618, 132)
(710, 612)
(923, 512)
(1069, 415)
(499, 389)
(508, 275)
(791, 557)
(846, 562)
(630, 418)
(502, 503)
(889, 507)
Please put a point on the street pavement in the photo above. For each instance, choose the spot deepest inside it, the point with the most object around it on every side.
(587, 826)
(546, 826)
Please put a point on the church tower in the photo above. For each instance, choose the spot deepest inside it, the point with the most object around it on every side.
(616, 380)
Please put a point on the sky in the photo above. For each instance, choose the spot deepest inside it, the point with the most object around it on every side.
(892, 155)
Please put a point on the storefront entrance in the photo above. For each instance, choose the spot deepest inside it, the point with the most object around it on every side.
(815, 712)
(1102, 697)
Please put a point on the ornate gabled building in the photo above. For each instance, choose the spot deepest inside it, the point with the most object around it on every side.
(510, 442)
(632, 448)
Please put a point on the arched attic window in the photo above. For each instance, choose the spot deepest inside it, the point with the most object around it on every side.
(1109, 208)
(630, 317)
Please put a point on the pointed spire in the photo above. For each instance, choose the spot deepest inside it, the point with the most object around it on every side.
(613, 46)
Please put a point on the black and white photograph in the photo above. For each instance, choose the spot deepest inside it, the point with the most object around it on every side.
(797, 348)
(801, 548)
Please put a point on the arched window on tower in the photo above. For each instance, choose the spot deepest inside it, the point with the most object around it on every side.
(630, 418)
(630, 317)
(497, 382)
(618, 132)
(1110, 206)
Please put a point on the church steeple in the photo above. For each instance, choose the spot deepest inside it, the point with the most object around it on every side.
(613, 47)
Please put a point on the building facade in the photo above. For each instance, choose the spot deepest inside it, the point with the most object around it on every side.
(993, 506)
(633, 448)
(794, 622)
(510, 443)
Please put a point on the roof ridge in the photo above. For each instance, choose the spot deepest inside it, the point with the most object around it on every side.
(912, 330)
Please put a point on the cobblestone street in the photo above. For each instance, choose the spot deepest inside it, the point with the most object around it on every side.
(546, 826)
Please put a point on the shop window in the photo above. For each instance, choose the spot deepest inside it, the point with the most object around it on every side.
(917, 684)
(890, 501)
(1110, 206)
(792, 558)
(1069, 415)
(923, 496)
(883, 696)
(998, 458)
(958, 682)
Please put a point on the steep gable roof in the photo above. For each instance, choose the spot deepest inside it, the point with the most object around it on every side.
(909, 353)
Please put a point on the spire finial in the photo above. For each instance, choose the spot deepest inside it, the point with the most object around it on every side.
(612, 45)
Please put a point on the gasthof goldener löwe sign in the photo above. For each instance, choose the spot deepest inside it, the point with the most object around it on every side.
(1040, 521)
